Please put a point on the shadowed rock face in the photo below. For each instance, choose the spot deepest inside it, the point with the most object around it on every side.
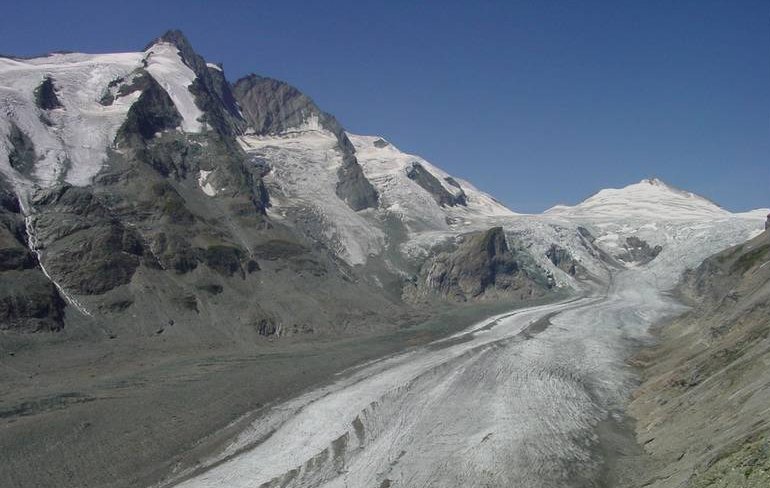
(22, 156)
(482, 266)
(353, 187)
(272, 107)
(432, 185)
(29, 302)
(45, 95)
(152, 113)
(562, 259)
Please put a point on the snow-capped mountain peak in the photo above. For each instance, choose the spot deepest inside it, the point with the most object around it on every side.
(88, 103)
(650, 199)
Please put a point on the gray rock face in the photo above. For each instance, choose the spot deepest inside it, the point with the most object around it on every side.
(638, 251)
(86, 250)
(431, 184)
(481, 267)
(45, 95)
(460, 198)
(272, 107)
(562, 259)
(29, 302)
(22, 155)
(153, 112)
(353, 187)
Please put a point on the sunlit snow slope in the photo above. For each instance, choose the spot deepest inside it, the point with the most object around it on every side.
(71, 140)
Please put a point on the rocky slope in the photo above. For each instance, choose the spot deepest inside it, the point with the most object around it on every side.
(703, 407)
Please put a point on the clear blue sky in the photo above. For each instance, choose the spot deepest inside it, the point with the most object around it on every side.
(537, 102)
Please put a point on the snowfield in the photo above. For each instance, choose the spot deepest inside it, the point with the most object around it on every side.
(71, 142)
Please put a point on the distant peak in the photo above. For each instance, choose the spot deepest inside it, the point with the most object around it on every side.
(653, 182)
(175, 37)
(651, 198)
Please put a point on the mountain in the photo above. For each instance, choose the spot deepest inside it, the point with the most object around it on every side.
(649, 199)
(150, 187)
(170, 239)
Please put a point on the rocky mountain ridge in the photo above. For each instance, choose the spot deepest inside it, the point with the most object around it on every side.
(169, 198)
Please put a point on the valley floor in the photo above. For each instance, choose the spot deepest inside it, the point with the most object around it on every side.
(529, 398)
(126, 413)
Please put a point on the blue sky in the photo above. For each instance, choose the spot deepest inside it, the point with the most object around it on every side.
(538, 103)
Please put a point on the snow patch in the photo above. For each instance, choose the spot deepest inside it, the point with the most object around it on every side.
(165, 64)
(203, 182)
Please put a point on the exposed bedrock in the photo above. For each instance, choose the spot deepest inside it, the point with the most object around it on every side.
(45, 95)
(562, 259)
(417, 173)
(29, 301)
(638, 251)
(482, 266)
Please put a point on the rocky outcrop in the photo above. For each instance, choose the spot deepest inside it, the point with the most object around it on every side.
(481, 266)
(425, 179)
(562, 259)
(45, 95)
(153, 113)
(353, 187)
(273, 107)
(22, 155)
(702, 408)
(637, 251)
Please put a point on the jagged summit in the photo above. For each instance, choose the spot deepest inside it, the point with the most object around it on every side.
(273, 106)
(172, 36)
(651, 198)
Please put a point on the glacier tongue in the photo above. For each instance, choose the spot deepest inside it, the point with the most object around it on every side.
(512, 401)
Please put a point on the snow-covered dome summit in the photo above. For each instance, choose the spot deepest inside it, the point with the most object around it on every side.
(650, 199)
